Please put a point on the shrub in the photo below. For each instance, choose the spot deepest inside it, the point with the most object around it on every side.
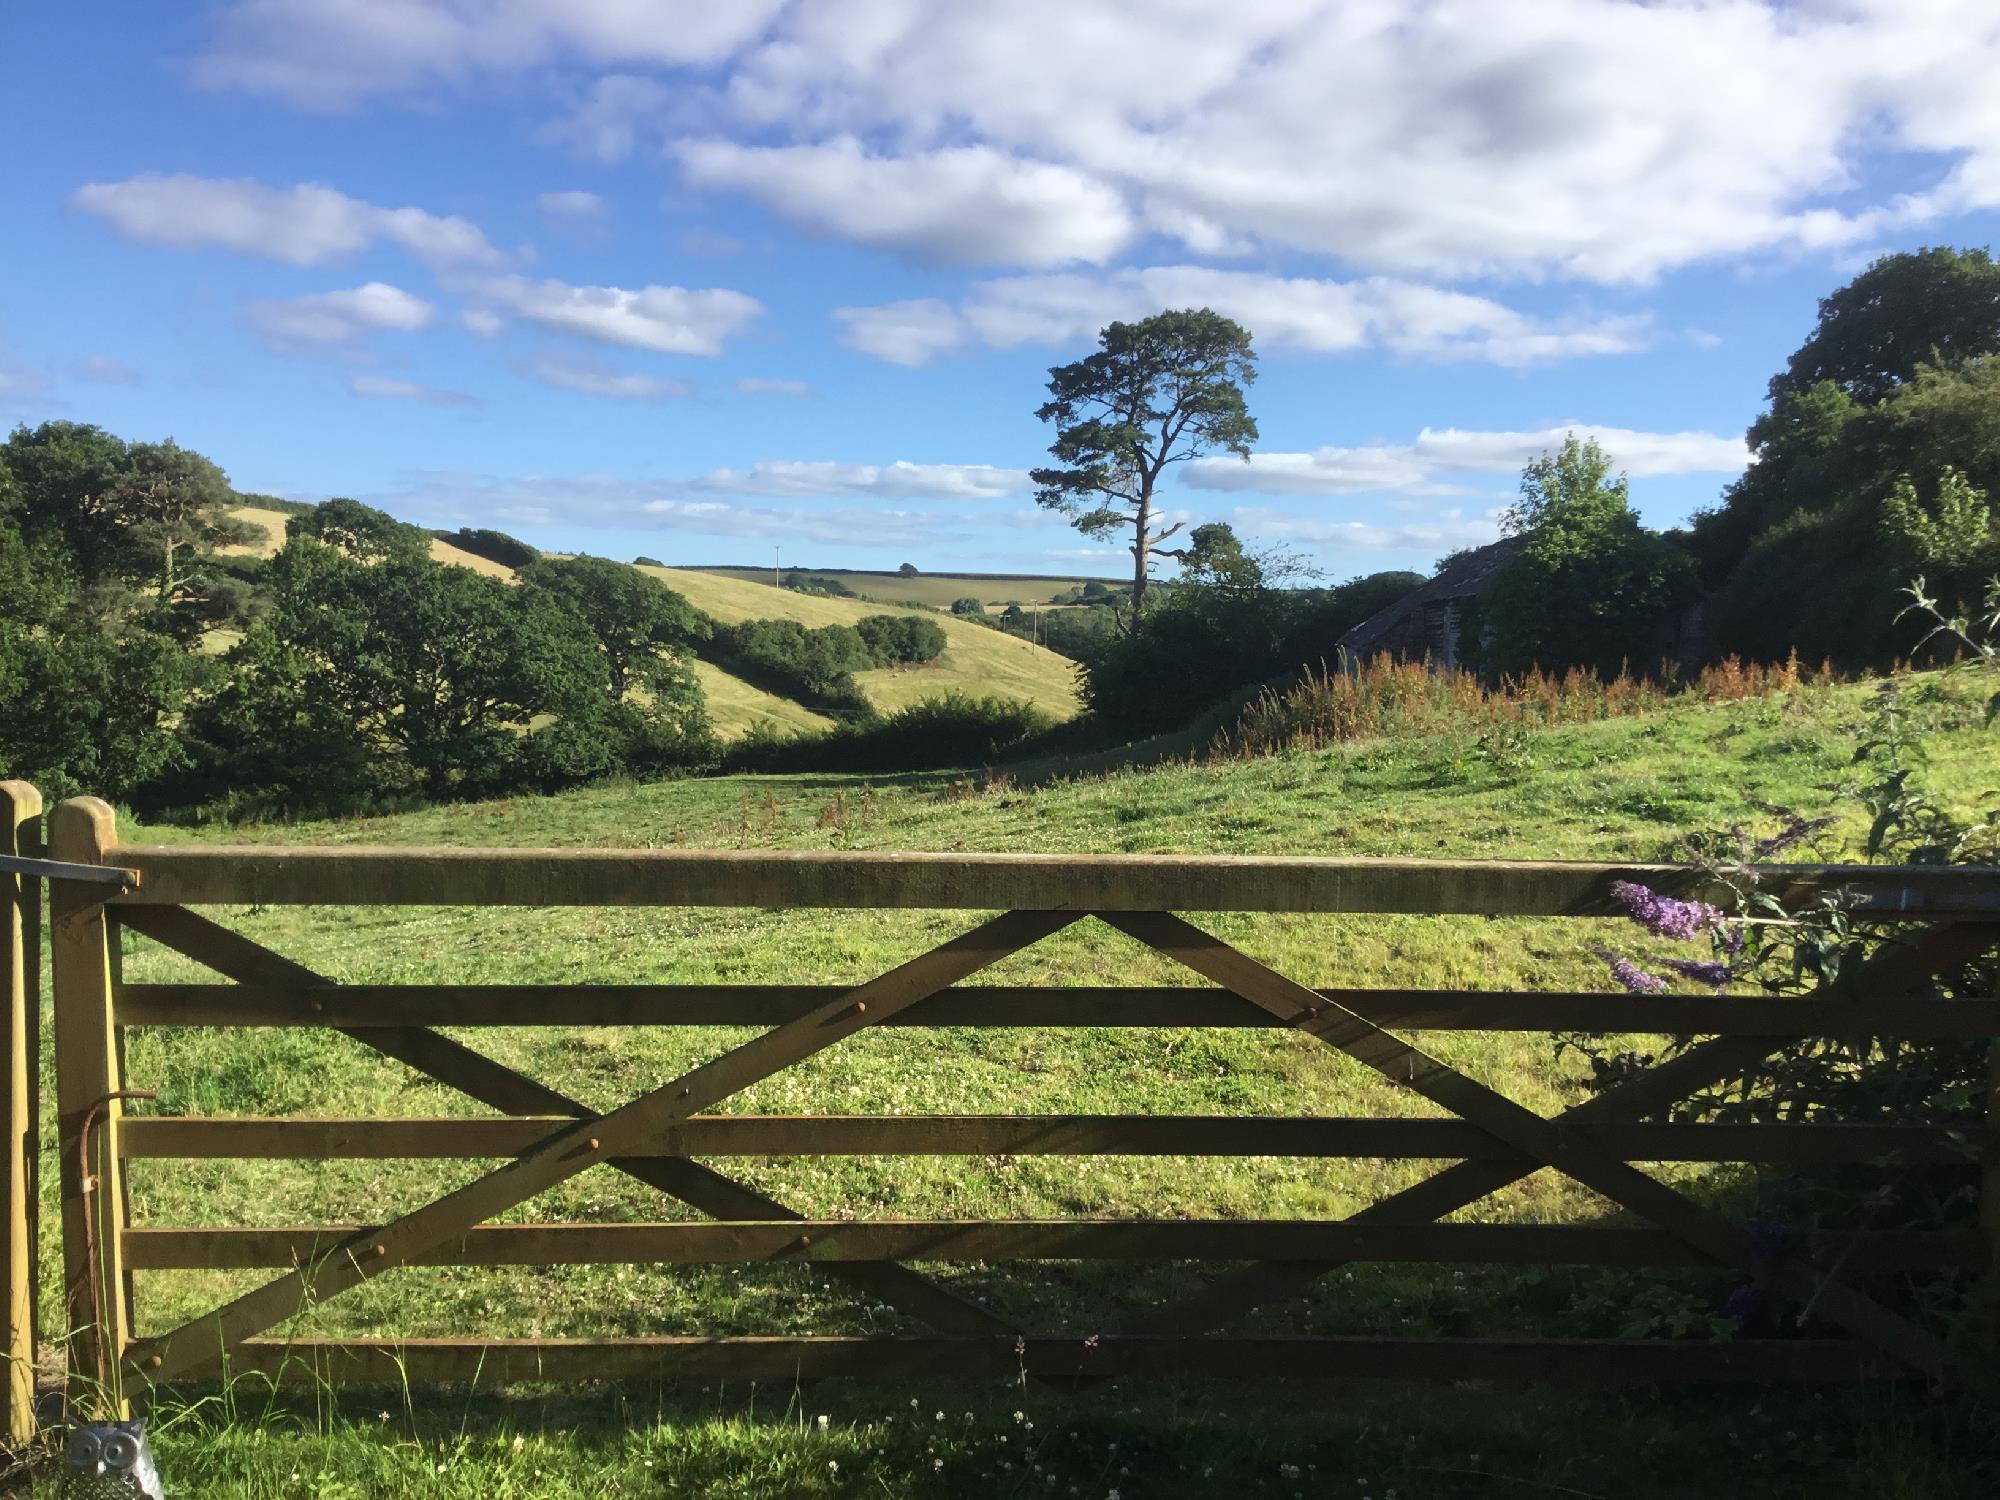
(954, 729)
(898, 640)
(494, 546)
(967, 606)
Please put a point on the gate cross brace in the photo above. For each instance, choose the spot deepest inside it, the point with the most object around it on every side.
(1542, 1140)
(1884, 980)
(591, 1141)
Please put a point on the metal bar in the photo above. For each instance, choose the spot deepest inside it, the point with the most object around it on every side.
(61, 869)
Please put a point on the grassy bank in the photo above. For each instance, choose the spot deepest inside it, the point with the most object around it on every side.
(1621, 789)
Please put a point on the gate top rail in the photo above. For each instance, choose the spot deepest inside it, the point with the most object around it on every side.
(280, 875)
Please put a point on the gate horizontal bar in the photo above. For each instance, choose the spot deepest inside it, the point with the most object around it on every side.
(819, 1240)
(222, 874)
(1579, 1361)
(387, 1005)
(1033, 1135)
(59, 869)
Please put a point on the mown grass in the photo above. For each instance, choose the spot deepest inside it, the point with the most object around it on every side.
(1623, 789)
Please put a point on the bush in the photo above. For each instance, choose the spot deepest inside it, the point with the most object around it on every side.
(900, 640)
(930, 734)
(643, 561)
(813, 667)
(967, 606)
(494, 546)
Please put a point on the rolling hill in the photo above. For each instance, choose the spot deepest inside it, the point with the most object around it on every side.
(935, 589)
(976, 660)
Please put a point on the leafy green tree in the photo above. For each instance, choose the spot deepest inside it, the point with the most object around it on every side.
(896, 640)
(1591, 587)
(907, 570)
(1156, 393)
(494, 546)
(64, 472)
(361, 531)
(1215, 559)
(1905, 310)
(968, 606)
(1951, 530)
(85, 705)
(643, 627)
(174, 509)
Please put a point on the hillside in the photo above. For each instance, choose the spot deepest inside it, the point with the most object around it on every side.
(938, 590)
(977, 659)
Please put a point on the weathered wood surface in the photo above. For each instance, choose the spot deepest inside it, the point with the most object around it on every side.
(1595, 1362)
(87, 1073)
(499, 1087)
(464, 1005)
(837, 1240)
(1869, 996)
(221, 874)
(1033, 1135)
(20, 1109)
(588, 1143)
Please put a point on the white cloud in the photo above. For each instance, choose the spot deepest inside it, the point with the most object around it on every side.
(666, 319)
(335, 317)
(571, 204)
(1446, 532)
(794, 479)
(967, 205)
(914, 332)
(305, 225)
(1607, 140)
(482, 322)
(1320, 316)
(20, 383)
(609, 500)
(597, 380)
(1430, 465)
(331, 54)
(752, 385)
(384, 388)
(102, 369)
(604, 125)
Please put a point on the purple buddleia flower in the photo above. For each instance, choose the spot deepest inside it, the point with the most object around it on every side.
(1702, 970)
(1637, 981)
(1663, 916)
(1732, 939)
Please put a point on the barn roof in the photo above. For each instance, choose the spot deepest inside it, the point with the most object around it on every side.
(1468, 575)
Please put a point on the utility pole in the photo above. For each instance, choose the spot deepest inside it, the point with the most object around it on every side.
(774, 568)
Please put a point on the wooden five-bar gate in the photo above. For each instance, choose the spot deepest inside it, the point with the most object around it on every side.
(669, 1137)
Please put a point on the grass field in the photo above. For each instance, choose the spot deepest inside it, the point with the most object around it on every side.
(937, 590)
(976, 659)
(1626, 789)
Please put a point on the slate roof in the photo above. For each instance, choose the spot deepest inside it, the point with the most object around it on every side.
(1469, 576)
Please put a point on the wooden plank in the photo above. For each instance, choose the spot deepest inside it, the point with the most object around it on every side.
(834, 1240)
(283, 875)
(82, 829)
(1031, 1135)
(1513, 1124)
(1870, 996)
(458, 1005)
(1592, 1362)
(458, 1066)
(20, 1107)
(588, 1143)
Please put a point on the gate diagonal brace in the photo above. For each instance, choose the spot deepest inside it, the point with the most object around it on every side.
(1886, 979)
(573, 1149)
(1519, 1128)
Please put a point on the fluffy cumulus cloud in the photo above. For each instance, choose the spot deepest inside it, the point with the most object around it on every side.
(337, 317)
(665, 319)
(1323, 316)
(965, 205)
(306, 225)
(599, 380)
(1439, 460)
(386, 388)
(1601, 140)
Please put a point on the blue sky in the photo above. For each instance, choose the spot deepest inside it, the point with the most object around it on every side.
(702, 281)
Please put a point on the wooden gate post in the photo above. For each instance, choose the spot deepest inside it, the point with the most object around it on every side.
(81, 831)
(20, 1080)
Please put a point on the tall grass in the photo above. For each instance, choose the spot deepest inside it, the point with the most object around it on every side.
(1385, 698)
